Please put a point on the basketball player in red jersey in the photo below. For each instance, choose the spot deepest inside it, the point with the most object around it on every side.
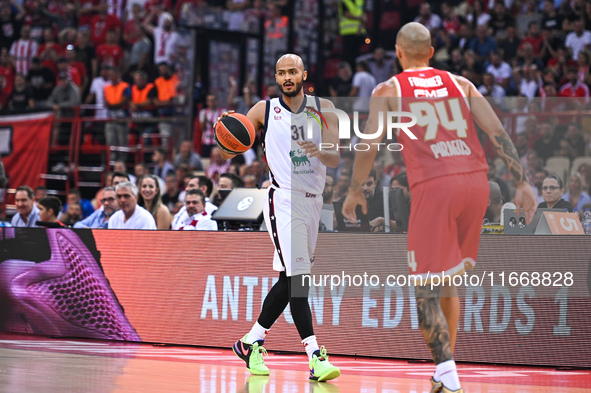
(447, 177)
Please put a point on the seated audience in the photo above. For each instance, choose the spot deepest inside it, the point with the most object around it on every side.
(49, 207)
(150, 199)
(130, 215)
(72, 215)
(495, 204)
(575, 195)
(27, 212)
(196, 216)
(100, 218)
(553, 191)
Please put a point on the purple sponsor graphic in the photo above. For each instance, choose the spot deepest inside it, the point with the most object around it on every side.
(67, 295)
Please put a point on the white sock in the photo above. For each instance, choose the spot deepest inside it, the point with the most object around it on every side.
(257, 333)
(310, 345)
(448, 374)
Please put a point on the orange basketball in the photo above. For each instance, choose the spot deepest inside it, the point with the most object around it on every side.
(234, 133)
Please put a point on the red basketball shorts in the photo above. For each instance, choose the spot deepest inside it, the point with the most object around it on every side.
(445, 223)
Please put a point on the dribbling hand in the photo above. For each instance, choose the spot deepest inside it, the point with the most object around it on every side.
(354, 198)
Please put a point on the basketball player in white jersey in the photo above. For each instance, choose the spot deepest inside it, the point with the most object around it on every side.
(298, 172)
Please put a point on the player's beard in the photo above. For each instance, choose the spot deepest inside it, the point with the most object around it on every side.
(296, 90)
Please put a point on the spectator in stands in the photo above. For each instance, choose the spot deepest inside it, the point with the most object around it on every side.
(500, 70)
(526, 80)
(27, 212)
(49, 207)
(257, 169)
(490, 88)
(574, 88)
(96, 95)
(550, 18)
(62, 99)
(196, 216)
(573, 143)
(217, 165)
(250, 181)
(549, 142)
(500, 19)
(139, 53)
(271, 91)
(109, 53)
(120, 177)
(510, 43)
(6, 70)
(165, 38)
(401, 181)
(41, 81)
(100, 218)
(150, 198)
(538, 181)
(140, 169)
(133, 24)
(483, 44)
(63, 67)
(477, 16)
(163, 167)
(526, 22)
(120, 166)
(85, 52)
(492, 176)
(585, 171)
(87, 9)
(72, 62)
(72, 215)
(534, 164)
(553, 191)
(352, 21)
(362, 86)
(242, 103)
(102, 23)
(550, 45)
(116, 99)
(166, 86)
(427, 18)
(576, 195)
(11, 15)
(141, 97)
(40, 192)
(171, 196)
(207, 118)
(375, 202)
(130, 215)
(340, 85)
(495, 204)
(579, 39)
(328, 191)
(381, 65)
(23, 50)
(202, 183)
(186, 155)
(75, 197)
(22, 97)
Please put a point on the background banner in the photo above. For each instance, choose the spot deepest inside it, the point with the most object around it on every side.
(24, 146)
(206, 288)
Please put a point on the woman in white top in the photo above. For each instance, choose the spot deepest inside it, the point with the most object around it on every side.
(150, 199)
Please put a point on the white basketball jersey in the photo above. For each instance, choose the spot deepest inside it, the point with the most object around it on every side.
(290, 167)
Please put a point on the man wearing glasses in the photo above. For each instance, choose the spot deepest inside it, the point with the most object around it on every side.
(100, 218)
(552, 191)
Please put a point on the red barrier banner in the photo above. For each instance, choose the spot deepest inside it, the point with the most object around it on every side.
(24, 146)
(207, 288)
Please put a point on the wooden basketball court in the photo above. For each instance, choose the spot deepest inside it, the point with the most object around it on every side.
(38, 364)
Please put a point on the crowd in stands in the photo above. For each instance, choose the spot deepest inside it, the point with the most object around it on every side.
(527, 56)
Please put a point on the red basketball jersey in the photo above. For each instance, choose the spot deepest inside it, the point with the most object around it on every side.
(447, 141)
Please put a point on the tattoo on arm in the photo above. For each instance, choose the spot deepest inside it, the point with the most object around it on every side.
(506, 150)
(432, 323)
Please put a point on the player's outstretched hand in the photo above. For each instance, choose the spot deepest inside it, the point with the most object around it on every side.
(310, 148)
(225, 156)
(354, 198)
(526, 200)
